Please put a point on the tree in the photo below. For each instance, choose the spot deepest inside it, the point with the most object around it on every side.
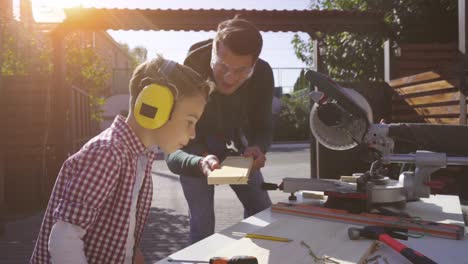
(294, 118)
(301, 82)
(23, 52)
(359, 57)
(139, 54)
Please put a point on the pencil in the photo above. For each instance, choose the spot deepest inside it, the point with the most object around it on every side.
(257, 236)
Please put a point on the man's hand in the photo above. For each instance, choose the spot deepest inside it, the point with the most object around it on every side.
(209, 163)
(257, 154)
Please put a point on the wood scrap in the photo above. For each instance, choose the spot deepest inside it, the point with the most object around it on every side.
(234, 170)
(351, 179)
(313, 195)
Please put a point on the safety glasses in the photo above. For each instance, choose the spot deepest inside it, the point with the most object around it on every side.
(217, 65)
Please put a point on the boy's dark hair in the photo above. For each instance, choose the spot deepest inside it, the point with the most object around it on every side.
(241, 36)
(187, 82)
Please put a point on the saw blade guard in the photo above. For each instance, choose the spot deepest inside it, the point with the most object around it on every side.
(340, 117)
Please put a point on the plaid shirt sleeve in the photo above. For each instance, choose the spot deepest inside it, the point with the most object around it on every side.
(94, 173)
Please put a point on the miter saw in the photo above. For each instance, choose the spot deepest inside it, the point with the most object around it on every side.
(341, 119)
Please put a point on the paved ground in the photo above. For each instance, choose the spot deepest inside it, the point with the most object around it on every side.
(167, 228)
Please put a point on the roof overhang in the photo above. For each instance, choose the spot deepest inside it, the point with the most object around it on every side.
(310, 21)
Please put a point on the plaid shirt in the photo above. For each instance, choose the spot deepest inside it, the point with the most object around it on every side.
(94, 191)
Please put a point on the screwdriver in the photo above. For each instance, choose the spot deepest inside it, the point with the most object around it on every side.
(221, 260)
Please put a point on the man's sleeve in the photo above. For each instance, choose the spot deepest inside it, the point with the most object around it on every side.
(181, 162)
(260, 108)
(94, 175)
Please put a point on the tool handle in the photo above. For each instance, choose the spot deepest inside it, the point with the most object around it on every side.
(412, 255)
(234, 260)
(269, 186)
(416, 257)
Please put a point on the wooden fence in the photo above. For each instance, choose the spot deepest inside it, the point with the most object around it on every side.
(29, 162)
(427, 97)
(426, 81)
(82, 127)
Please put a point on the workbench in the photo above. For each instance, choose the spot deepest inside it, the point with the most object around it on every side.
(437, 208)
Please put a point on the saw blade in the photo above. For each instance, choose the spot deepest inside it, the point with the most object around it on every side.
(346, 135)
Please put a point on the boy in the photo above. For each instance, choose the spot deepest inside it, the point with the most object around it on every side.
(101, 199)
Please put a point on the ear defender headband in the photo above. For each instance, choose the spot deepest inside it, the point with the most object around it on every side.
(154, 104)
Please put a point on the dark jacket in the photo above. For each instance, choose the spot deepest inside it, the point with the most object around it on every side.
(248, 110)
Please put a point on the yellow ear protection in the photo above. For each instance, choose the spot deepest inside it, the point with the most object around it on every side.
(154, 104)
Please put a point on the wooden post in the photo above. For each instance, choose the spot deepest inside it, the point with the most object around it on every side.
(462, 34)
(314, 145)
(60, 103)
(2, 133)
(387, 60)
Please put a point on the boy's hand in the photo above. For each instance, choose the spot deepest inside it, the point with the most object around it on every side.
(138, 259)
(257, 154)
(209, 163)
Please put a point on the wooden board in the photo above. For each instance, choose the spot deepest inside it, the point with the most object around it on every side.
(423, 227)
(234, 170)
(324, 238)
(422, 77)
(428, 87)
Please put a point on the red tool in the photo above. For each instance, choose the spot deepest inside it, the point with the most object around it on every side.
(221, 260)
(387, 235)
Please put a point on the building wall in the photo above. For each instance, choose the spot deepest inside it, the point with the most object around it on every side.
(118, 60)
(27, 142)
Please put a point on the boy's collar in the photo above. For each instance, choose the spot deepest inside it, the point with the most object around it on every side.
(128, 135)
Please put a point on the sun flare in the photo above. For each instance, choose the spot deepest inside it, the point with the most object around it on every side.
(61, 3)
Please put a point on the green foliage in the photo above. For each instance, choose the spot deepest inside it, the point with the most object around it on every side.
(139, 54)
(359, 57)
(354, 57)
(86, 70)
(301, 82)
(26, 52)
(303, 49)
(12, 64)
(423, 21)
(23, 52)
(294, 118)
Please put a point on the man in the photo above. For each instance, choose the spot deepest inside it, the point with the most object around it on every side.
(239, 110)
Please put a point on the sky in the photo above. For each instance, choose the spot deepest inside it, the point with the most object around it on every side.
(277, 47)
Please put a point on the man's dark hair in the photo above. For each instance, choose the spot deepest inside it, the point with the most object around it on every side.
(186, 81)
(241, 36)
